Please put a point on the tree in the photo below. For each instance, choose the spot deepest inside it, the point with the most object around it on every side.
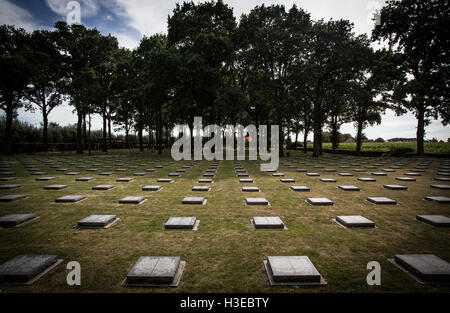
(14, 76)
(417, 32)
(46, 77)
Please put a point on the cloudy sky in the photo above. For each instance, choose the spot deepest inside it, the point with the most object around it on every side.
(129, 20)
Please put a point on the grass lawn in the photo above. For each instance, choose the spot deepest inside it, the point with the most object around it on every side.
(430, 147)
(225, 254)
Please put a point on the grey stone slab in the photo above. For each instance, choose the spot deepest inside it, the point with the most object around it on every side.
(278, 174)
(132, 200)
(152, 170)
(70, 199)
(379, 174)
(85, 179)
(287, 180)
(441, 187)
(12, 198)
(180, 223)
(103, 187)
(366, 179)
(438, 199)
(39, 173)
(355, 221)
(381, 200)
(319, 201)
(246, 180)
(23, 268)
(13, 186)
(153, 270)
(387, 170)
(312, 174)
(205, 181)
(405, 179)
(7, 173)
(268, 222)
(45, 178)
(152, 188)
(201, 188)
(165, 180)
(256, 201)
(427, 267)
(242, 175)
(139, 174)
(124, 180)
(395, 187)
(413, 174)
(194, 200)
(327, 180)
(106, 174)
(349, 188)
(301, 170)
(294, 269)
(96, 221)
(250, 189)
(300, 188)
(72, 173)
(447, 179)
(435, 220)
(55, 187)
(7, 178)
(13, 220)
(345, 174)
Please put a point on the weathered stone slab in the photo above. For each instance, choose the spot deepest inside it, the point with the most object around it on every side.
(366, 179)
(70, 199)
(268, 222)
(287, 180)
(140, 174)
(96, 221)
(165, 180)
(278, 174)
(381, 200)
(300, 188)
(319, 201)
(312, 174)
(106, 174)
(250, 189)
(180, 223)
(246, 180)
(435, 220)
(438, 199)
(406, 179)
(24, 268)
(427, 267)
(349, 188)
(413, 174)
(72, 173)
(45, 178)
(55, 187)
(103, 187)
(124, 180)
(152, 188)
(395, 187)
(132, 200)
(153, 270)
(256, 201)
(301, 170)
(85, 179)
(355, 221)
(292, 269)
(441, 187)
(205, 181)
(201, 188)
(378, 174)
(447, 179)
(7, 178)
(327, 180)
(345, 174)
(12, 198)
(13, 220)
(194, 200)
(7, 187)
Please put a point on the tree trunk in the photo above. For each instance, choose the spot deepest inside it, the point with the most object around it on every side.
(359, 138)
(109, 132)
(140, 127)
(89, 135)
(420, 130)
(334, 136)
(79, 132)
(104, 127)
(45, 128)
(8, 128)
(305, 140)
(85, 141)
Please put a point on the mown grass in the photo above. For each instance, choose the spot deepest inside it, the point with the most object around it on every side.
(430, 147)
(225, 254)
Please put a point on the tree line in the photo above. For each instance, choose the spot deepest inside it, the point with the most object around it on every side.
(274, 67)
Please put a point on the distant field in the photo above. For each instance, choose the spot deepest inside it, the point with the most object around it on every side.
(435, 147)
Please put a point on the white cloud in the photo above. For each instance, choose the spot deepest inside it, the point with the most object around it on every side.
(127, 41)
(12, 14)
